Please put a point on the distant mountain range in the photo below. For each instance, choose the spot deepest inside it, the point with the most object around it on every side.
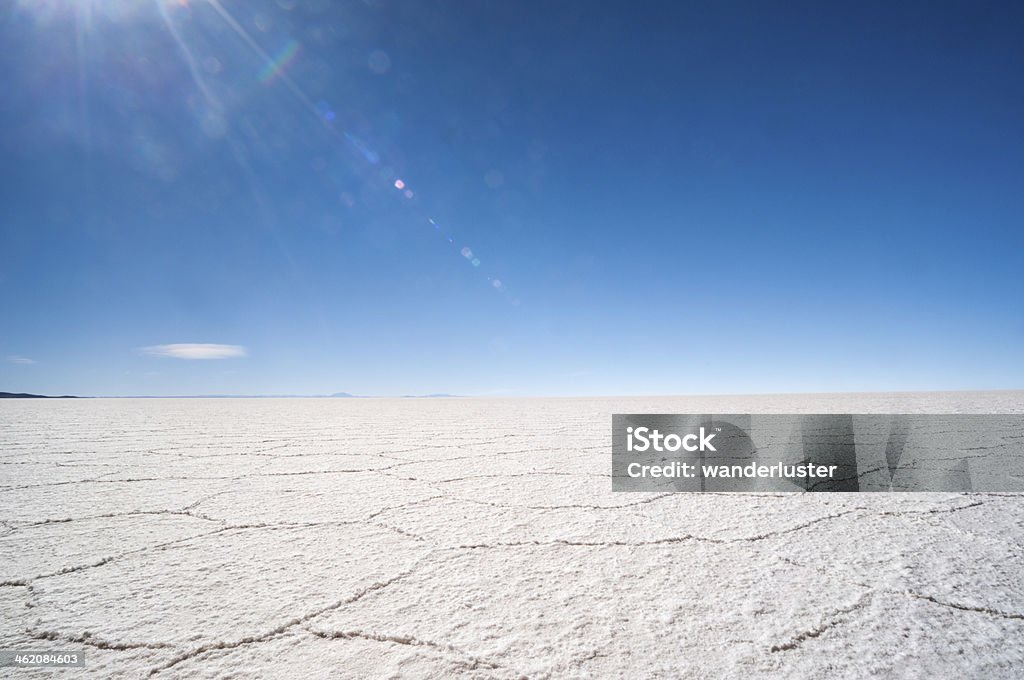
(346, 395)
(22, 395)
(336, 395)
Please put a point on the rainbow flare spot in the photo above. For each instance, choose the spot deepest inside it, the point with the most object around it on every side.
(282, 60)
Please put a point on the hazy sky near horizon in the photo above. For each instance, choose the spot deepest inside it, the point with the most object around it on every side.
(491, 198)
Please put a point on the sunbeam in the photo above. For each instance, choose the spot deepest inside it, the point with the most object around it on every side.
(190, 60)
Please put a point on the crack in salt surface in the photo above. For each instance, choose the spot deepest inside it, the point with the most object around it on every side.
(833, 620)
(175, 543)
(961, 607)
(381, 511)
(471, 661)
(88, 639)
(191, 478)
(666, 541)
(112, 558)
(263, 637)
(928, 511)
(567, 506)
(110, 515)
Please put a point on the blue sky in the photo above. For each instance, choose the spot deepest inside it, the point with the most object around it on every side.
(661, 198)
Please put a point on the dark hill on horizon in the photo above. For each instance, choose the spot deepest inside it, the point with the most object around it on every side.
(23, 395)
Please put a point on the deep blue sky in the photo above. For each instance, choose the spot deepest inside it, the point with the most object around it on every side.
(704, 197)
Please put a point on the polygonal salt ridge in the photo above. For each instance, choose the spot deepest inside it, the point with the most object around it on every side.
(103, 497)
(47, 549)
(330, 496)
(226, 586)
(543, 610)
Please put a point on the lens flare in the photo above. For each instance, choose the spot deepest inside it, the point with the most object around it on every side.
(371, 156)
(276, 68)
(280, 61)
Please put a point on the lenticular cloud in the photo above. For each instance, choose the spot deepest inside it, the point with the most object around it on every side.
(195, 351)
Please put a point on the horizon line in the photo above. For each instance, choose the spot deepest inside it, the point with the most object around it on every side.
(498, 396)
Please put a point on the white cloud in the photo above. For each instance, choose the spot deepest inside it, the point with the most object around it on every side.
(195, 351)
(24, 361)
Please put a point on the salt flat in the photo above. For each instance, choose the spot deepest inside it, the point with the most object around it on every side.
(316, 538)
